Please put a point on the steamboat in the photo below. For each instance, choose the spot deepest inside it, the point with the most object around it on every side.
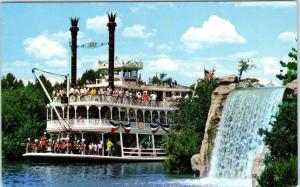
(117, 118)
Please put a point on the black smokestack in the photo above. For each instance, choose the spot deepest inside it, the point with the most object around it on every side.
(111, 48)
(74, 30)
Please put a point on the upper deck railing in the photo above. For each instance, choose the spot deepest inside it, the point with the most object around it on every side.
(121, 101)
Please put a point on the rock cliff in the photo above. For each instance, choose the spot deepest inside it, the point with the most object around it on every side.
(227, 84)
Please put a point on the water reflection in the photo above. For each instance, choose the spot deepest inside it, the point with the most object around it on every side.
(89, 174)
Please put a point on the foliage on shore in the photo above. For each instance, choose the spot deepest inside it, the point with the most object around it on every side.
(281, 140)
(23, 115)
(279, 173)
(185, 137)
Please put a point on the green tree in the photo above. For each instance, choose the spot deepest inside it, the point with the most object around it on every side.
(91, 76)
(10, 82)
(162, 79)
(23, 116)
(244, 66)
(290, 67)
(185, 136)
(281, 140)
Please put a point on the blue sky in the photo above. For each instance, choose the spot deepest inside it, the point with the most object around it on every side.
(177, 38)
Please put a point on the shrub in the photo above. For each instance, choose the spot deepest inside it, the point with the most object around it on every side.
(183, 141)
(279, 174)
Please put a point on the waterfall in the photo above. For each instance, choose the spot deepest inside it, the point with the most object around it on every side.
(237, 140)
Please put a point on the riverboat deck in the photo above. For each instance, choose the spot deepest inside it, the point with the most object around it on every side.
(77, 157)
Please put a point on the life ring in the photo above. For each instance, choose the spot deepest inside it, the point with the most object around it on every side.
(141, 125)
(72, 98)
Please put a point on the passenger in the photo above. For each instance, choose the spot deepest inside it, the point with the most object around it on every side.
(43, 143)
(49, 146)
(78, 149)
(109, 145)
(93, 91)
(95, 148)
(56, 146)
(62, 148)
(83, 147)
(36, 146)
(28, 146)
(68, 147)
(100, 144)
(91, 148)
(145, 96)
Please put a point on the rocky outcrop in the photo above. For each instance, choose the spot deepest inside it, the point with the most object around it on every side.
(249, 82)
(219, 96)
(228, 79)
(258, 164)
(195, 162)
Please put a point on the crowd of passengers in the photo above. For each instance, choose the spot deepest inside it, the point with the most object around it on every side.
(65, 146)
(117, 94)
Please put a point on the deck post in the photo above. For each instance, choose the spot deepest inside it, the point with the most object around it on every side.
(51, 114)
(153, 145)
(47, 114)
(138, 144)
(99, 108)
(136, 117)
(143, 116)
(121, 141)
(63, 111)
(102, 144)
(151, 116)
(111, 116)
(127, 115)
(87, 114)
(119, 114)
(75, 116)
(166, 114)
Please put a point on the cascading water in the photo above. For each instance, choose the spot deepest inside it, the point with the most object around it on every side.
(237, 140)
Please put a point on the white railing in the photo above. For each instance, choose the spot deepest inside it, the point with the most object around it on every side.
(118, 100)
(96, 124)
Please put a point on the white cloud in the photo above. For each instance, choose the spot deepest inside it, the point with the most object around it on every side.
(149, 44)
(164, 65)
(214, 30)
(271, 70)
(66, 36)
(191, 46)
(270, 64)
(134, 10)
(142, 6)
(137, 31)
(57, 63)
(44, 48)
(287, 36)
(266, 4)
(98, 23)
(164, 47)
(244, 54)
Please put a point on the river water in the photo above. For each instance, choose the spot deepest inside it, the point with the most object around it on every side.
(90, 174)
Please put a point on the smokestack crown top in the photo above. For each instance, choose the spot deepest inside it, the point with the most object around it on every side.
(111, 21)
(74, 21)
(111, 17)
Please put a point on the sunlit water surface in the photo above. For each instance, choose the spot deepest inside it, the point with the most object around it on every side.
(27, 174)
